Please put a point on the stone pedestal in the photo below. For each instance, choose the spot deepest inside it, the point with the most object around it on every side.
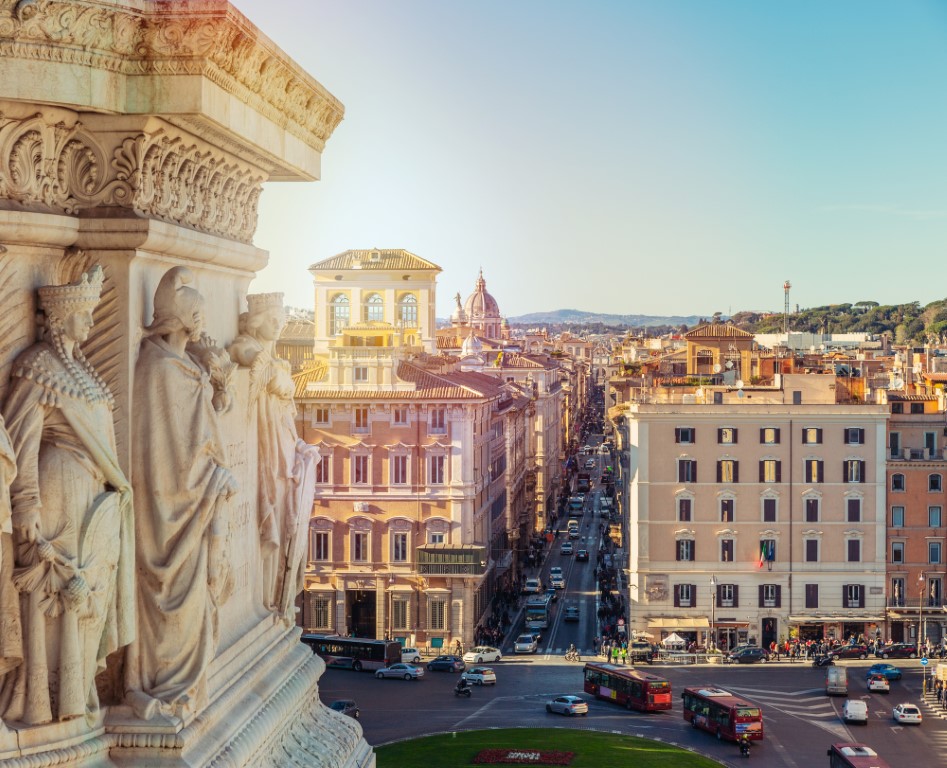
(137, 137)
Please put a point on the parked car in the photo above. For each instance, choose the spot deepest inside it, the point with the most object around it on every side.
(481, 676)
(748, 655)
(568, 705)
(481, 654)
(571, 613)
(446, 663)
(403, 671)
(879, 683)
(411, 655)
(566, 548)
(525, 644)
(907, 713)
(582, 555)
(855, 711)
(897, 651)
(345, 707)
(849, 652)
(532, 586)
(890, 671)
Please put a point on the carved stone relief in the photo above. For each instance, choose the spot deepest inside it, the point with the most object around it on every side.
(49, 163)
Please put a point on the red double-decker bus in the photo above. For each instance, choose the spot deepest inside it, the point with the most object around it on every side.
(723, 714)
(627, 686)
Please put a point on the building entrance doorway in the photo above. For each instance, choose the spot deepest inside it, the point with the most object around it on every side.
(770, 632)
(360, 612)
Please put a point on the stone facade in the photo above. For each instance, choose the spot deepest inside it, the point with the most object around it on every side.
(134, 142)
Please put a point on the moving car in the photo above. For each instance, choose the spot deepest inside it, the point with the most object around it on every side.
(480, 676)
(855, 711)
(345, 707)
(568, 705)
(582, 555)
(566, 548)
(552, 594)
(879, 683)
(571, 614)
(590, 464)
(849, 652)
(481, 654)
(573, 531)
(532, 586)
(836, 681)
(890, 671)
(403, 671)
(748, 655)
(907, 713)
(525, 644)
(897, 651)
(446, 663)
(411, 655)
(556, 579)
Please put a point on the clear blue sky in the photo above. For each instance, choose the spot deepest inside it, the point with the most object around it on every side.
(660, 157)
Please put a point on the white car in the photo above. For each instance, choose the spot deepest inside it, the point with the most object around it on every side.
(590, 464)
(532, 586)
(403, 671)
(566, 548)
(410, 655)
(556, 581)
(482, 653)
(879, 683)
(480, 676)
(568, 705)
(525, 644)
(907, 713)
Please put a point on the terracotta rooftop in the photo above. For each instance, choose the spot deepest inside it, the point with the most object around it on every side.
(377, 259)
(718, 331)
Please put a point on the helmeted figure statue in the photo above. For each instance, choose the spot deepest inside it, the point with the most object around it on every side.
(71, 515)
(286, 463)
(181, 475)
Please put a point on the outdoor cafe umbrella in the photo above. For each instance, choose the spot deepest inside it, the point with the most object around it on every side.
(673, 639)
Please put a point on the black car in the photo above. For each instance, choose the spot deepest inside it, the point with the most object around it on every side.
(571, 614)
(897, 651)
(582, 554)
(748, 655)
(447, 663)
(345, 707)
(849, 652)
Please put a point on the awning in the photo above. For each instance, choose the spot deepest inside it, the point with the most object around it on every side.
(734, 624)
(833, 619)
(699, 622)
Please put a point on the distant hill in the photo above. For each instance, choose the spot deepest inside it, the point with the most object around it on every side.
(580, 317)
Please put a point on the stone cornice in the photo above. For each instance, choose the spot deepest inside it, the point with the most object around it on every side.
(206, 38)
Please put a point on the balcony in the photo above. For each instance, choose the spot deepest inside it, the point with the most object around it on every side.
(452, 560)
(914, 604)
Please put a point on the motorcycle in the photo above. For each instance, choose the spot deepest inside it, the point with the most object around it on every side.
(572, 655)
(462, 690)
(824, 660)
(744, 747)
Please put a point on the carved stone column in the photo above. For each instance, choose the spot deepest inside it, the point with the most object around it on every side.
(138, 136)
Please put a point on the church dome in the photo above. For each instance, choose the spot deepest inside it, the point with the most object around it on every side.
(471, 347)
(481, 304)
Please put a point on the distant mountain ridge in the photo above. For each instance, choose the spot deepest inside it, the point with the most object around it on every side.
(581, 317)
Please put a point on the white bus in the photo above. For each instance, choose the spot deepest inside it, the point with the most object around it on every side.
(537, 613)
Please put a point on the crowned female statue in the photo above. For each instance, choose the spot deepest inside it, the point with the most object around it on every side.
(72, 515)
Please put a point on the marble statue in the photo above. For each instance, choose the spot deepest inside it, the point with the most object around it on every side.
(287, 464)
(181, 478)
(11, 634)
(72, 516)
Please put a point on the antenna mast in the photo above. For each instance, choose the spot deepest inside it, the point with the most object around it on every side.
(786, 286)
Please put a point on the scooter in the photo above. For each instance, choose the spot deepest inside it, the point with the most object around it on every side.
(823, 661)
(460, 690)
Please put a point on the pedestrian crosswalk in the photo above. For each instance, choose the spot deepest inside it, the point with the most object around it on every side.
(810, 704)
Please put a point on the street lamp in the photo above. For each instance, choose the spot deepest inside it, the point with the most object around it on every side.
(920, 613)
(713, 611)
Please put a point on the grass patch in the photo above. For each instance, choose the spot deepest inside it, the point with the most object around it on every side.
(592, 749)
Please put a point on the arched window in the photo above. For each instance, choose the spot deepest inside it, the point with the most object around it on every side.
(408, 310)
(338, 314)
(374, 308)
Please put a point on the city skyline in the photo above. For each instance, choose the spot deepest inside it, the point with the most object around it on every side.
(581, 150)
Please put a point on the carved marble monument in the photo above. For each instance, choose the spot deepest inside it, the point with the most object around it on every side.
(154, 497)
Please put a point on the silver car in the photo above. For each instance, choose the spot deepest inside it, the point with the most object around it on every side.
(568, 704)
(403, 671)
(525, 644)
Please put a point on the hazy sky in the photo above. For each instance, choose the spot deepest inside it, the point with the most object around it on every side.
(660, 157)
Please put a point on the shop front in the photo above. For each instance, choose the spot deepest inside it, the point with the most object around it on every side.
(836, 628)
(690, 629)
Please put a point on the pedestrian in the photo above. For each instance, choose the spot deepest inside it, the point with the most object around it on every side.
(624, 654)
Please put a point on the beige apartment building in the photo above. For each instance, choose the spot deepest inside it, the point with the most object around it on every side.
(423, 500)
(756, 514)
